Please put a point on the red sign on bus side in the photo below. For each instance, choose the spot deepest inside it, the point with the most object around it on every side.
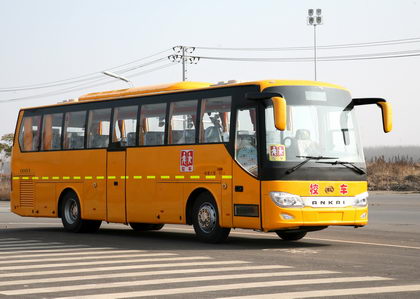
(187, 161)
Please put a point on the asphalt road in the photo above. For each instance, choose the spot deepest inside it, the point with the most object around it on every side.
(39, 260)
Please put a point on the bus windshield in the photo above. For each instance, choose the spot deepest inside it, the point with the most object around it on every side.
(318, 124)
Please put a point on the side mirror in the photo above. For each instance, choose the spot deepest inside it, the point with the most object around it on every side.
(386, 116)
(385, 107)
(280, 114)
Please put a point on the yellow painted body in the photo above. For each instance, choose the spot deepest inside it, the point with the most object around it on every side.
(145, 184)
(309, 216)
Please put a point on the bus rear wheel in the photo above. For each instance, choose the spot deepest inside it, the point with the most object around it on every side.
(206, 220)
(145, 226)
(71, 216)
(290, 236)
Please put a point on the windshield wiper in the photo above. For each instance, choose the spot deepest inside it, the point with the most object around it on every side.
(308, 158)
(349, 165)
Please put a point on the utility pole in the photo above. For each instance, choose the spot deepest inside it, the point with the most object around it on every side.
(181, 55)
(314, 20)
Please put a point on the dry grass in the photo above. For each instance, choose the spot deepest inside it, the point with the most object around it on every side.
(395, 174)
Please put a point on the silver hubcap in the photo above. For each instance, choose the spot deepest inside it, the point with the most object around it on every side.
(71, 211)
(207, 217)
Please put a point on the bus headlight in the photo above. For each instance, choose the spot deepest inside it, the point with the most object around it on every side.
(361, 200)
(286, 200)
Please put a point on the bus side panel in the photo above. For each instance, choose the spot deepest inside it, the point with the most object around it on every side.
(37, 190)
(157, 190)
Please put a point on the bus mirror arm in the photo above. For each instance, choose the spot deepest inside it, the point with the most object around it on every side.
(258, 96)
(279, 104)
(383, 104)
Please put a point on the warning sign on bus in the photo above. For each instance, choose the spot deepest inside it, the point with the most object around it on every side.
(187, 161)
(277, 152)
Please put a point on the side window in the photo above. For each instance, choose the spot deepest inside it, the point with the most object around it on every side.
(125, 125)
(215, 120)
(152, 124)
(29, 133)
(74, 130)
(51, 131)
(246, 140)
(98, 128)
(183, 116)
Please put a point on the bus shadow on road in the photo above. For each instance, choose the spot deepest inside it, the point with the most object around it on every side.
(158, 240)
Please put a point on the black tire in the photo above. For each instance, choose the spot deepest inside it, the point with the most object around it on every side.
(290, 236)
(71, 216)
(140, 227)
(206, 220)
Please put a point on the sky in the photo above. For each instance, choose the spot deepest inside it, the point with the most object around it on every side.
(47, 41)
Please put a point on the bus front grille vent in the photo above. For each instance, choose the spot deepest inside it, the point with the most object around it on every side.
(27, 194)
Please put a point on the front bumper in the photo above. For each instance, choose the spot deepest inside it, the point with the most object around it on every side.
(277, 218)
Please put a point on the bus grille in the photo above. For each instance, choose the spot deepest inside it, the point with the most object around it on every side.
(27, 194)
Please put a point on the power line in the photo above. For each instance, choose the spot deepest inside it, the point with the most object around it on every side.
(81, 86)
(326, 47)
(384, 55)
(77, 79)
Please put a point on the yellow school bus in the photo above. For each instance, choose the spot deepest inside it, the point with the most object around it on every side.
(275, 156)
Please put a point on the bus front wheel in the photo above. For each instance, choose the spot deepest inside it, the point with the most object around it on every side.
(206, 220)
(290, 236)
(71, 216)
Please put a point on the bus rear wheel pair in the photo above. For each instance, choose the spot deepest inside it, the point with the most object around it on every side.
(71, 216)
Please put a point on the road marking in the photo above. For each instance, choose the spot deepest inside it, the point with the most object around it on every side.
(335, 292)
(115, 268)
(18, 242)
(36, 243)
(365, 243)
(161, 272)
(100, 253)
(32, 223)
(74, 250)
(308, 238)
(91, 257)
(210, 288)
(42, 266)
(41, 247)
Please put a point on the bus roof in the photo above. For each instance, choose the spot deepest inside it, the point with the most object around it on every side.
(179, 86)
(130, 92)
(187, 85)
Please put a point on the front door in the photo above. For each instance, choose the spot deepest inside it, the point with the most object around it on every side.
(246, 186)
(116, 176)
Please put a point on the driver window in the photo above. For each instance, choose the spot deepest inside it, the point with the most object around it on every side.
(246, 140)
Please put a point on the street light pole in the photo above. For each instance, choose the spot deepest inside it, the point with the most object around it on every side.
(184, 69)
(315, 50)
(119, 77)
(314, 19)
